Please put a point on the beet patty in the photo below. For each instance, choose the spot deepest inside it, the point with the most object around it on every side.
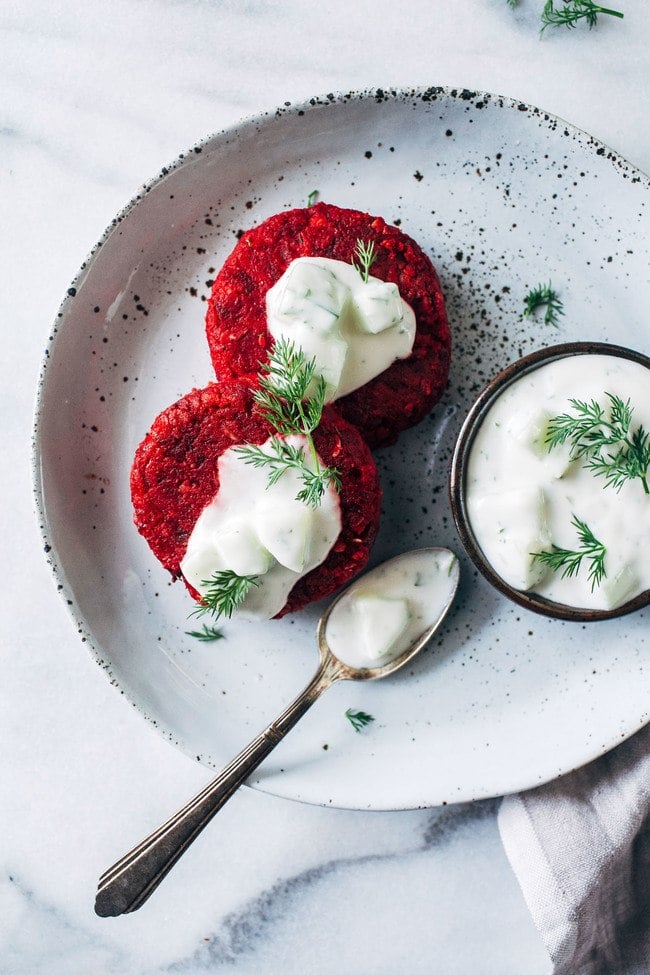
(175, 475)
(236, 318)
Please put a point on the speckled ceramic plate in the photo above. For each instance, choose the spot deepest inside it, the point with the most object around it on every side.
(503, 197)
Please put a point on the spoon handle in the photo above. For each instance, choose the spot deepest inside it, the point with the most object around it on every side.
(126, 885)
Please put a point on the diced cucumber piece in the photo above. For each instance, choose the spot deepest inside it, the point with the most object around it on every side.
(378, 306)
(310, 294)
(329, 352)
(531, 430)
(286, 534)
(239, 549)
(381, 623)
(520, 529)
(620, 587)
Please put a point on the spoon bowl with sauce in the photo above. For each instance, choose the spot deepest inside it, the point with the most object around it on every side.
(369, 631)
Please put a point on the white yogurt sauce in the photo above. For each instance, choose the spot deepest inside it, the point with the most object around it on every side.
(521, 496)
(383, 614)
(263, 531)
(354, 329)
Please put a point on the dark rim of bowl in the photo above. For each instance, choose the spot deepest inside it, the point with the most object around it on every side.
(476, 415)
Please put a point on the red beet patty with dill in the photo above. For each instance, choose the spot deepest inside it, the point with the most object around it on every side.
(175, 475)
(236, 325)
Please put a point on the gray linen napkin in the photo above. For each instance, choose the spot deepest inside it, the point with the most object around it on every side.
(580, 848)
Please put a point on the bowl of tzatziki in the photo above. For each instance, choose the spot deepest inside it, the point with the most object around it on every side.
(550, 481)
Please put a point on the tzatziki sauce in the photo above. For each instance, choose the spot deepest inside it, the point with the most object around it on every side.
(257, 530)
(524, 497)
(385, 612)
(354, 329)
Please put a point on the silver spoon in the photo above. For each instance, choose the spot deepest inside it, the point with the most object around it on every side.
(129, 882)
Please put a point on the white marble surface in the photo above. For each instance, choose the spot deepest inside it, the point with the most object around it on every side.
(94, 99)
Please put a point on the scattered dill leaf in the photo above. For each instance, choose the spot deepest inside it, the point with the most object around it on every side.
(569, 561)
(312, 198)
(207, 634)
(544, 296)
(358, 719)
(223, 593)
(366, 255)
(572, 11)
(603, 441)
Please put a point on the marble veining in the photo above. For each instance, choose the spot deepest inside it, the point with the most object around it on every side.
(242, 933)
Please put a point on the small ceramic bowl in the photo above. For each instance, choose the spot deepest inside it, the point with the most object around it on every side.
(459, 464)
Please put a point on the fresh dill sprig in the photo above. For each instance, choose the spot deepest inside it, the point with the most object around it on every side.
(207, 634)
(631, 461)
(544, 296)
(358, 719)
(289, 402)
(569, 561)
(512, 3)
(604, 442)
(312, 198)
(224, 592)
(287, 396)
(366, 255)
(283, 456)
(572, 11)
(588, 429)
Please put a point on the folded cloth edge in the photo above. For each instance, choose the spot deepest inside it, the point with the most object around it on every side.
(549, 907)
(580, 847)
